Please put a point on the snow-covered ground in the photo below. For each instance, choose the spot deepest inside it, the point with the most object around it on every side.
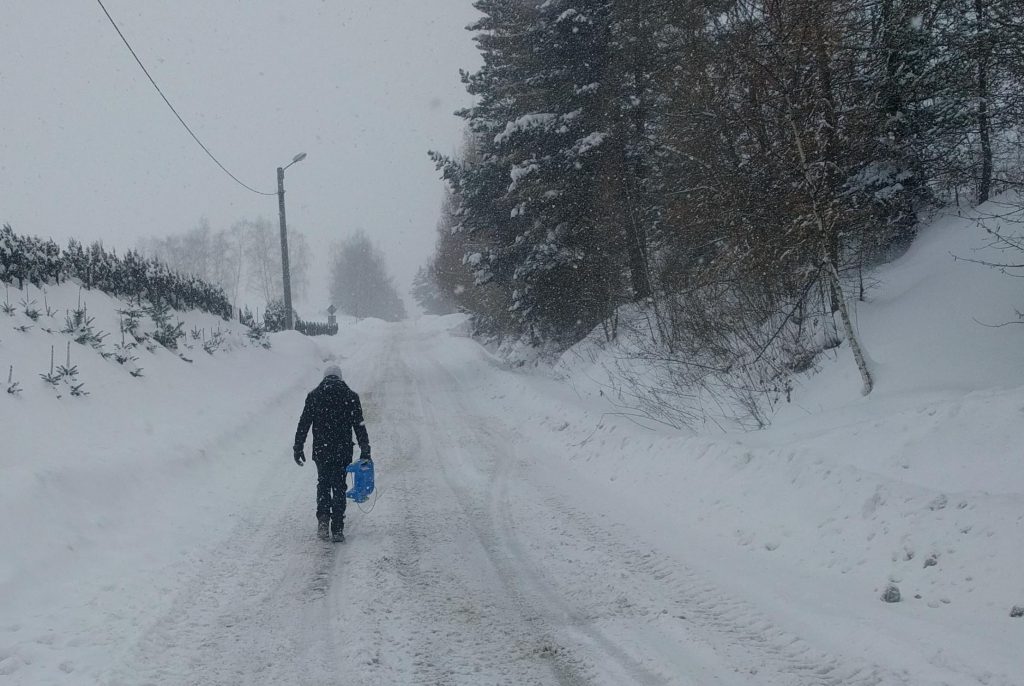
(158, 532)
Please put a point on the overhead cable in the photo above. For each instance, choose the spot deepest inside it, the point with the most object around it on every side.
(187, 128)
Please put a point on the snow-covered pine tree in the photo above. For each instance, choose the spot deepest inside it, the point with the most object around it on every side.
(900, 80)
(428, 295)
(360, 285)
(532, 196)
(483, 233)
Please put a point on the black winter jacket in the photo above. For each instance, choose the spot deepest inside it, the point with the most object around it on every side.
(334, 412)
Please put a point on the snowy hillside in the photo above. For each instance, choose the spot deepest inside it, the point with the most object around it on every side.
(157, 530)
(72, 465)
(920, 484)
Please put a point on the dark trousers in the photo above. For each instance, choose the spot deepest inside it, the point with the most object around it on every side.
(330, 492)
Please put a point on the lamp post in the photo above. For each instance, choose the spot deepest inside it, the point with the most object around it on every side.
(285, 270)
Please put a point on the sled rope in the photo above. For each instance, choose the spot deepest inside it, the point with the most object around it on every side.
(354, 525)
(373, 503)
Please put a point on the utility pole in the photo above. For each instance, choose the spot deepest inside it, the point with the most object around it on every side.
(285, 269)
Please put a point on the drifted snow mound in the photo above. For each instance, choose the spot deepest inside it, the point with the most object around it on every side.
(71, 465)
(455, 324)
(938, 320)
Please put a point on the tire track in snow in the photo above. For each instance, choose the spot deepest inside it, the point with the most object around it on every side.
(258, 606)
(438, 583)
(593, 654)
(667, 592)
(652, 592)
(664, 590)
(252, 610)
(482, 449)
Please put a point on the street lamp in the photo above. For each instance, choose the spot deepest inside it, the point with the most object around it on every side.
(285, 270)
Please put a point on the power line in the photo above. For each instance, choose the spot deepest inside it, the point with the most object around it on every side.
(191, 133)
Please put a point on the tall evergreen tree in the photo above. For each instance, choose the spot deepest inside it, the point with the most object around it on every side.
(360, 285)
(428, 295)
(540, 189)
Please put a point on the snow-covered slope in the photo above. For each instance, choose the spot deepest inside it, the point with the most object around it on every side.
(72, 466)
(106, 498)
(920, 484)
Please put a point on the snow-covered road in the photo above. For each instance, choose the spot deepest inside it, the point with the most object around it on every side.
(485, 561)
(469, 570)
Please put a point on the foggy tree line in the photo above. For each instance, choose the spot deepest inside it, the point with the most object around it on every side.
(27, 259)
(200, 264)
(244, 259)
(431, 298)
(359, 282)
(729, 166)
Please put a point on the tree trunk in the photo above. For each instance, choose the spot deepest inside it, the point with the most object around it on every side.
(636, 247)
(844, 315)
(635, 172)
(984, 121)
(826, 241)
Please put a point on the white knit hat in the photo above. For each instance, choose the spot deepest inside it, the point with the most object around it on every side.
(333, 370)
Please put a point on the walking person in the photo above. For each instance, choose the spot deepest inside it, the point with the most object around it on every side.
(334, 412)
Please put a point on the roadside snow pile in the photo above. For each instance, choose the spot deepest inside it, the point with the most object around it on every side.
(915, 491)
(75, 461)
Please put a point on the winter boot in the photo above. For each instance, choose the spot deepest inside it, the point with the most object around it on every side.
(323, 528)
(338, 537)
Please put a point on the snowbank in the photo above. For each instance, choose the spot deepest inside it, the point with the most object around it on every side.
(74, 467)
(111, 500)
(920, 484)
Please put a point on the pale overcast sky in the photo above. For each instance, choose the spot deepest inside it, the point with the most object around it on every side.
(365, 87)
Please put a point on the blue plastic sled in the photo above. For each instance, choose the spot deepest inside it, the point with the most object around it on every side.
(362, 483)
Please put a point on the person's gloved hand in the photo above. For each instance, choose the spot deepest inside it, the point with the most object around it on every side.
(365, 455)
(300, 456)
